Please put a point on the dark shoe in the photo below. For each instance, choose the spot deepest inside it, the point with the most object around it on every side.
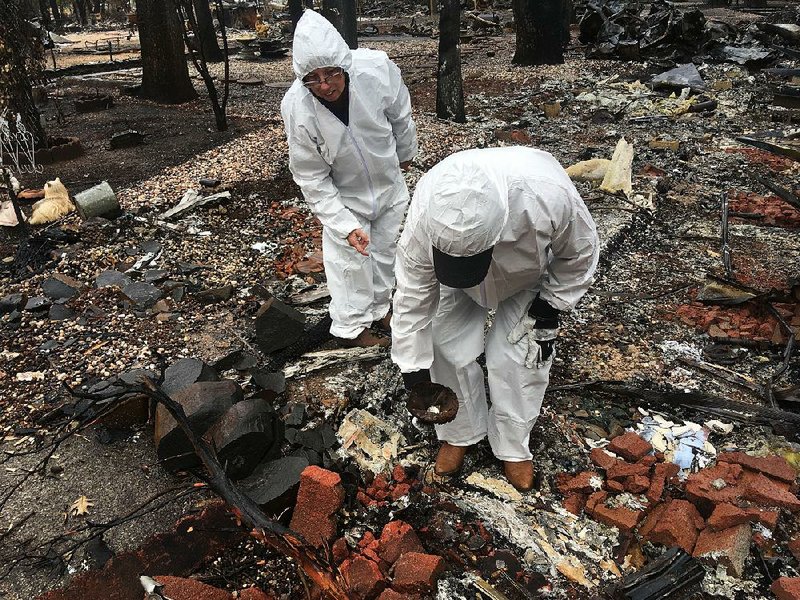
(384, 324)
(365, 339)
(450, 459)
(519, 474)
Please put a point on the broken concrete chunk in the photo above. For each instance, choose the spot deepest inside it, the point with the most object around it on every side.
(248, 433)
(372, 442)
(204, 403)
(273, 478)
(277, 326)
(112, 278)
(184, 372)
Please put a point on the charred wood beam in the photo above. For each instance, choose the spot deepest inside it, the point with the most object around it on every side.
(784, 194)
(786, 151)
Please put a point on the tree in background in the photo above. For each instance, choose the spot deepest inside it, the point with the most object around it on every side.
(342, 13)
(449, 85)
(296, 8)
(21, 59)
(540, 31)
(165, 74)
(204, 32)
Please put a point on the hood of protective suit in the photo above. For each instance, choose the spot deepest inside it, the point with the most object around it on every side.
(317, 44)
(466, 212)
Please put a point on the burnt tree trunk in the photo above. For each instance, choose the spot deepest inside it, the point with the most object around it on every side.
(80, 11)
(204, 34)
(540, 31)
(18, 50)
(296, 8)
(449, 86)
(165, 74)
(44, 11)
(342, 13)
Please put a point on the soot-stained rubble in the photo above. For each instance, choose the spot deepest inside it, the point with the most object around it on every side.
(681, 353)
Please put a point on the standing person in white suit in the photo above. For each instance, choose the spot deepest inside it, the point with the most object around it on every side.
(350, 132)
(503, 229)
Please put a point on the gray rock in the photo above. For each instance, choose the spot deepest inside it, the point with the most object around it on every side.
(59, 312)
(12, 302)
(150, 247)
(213, 295)
(247, 434)
(37, 303)
(143, 295)
(154, 275)
(204, 403)
(271, 382)
(277, 326)
(185, 372)
(112, 278)
(61, 287)
(272, 479)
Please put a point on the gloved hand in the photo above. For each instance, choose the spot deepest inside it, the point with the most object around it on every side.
(539, 327)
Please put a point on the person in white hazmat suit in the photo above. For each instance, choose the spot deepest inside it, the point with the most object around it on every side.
(496, 228)
(349, 128)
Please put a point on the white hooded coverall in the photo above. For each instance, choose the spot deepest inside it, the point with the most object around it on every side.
(350, 174)
(522, 202)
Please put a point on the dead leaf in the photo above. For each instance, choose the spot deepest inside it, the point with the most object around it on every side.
(81, 506)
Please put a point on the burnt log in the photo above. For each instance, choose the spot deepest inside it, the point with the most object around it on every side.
(248, 433)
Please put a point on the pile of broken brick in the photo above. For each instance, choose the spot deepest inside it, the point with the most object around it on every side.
(710, 515)
(392, 566)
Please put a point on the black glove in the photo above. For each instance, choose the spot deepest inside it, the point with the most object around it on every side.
(545, 315)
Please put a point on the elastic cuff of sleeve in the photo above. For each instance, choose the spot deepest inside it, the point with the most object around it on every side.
(542, 311)
(415, 377)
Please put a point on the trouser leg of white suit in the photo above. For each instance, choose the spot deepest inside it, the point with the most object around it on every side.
(457, 343)
(516, 391)
(382, 249)
(361, 286)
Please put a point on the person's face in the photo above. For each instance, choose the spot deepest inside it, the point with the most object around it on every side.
(326, 83)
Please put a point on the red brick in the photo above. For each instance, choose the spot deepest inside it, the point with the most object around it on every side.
(417, 573)
(648, 460)
(621, 470)
(728, 547)
(400, 490)
(662, 473)
(774, 466)
(582, 483)
(397, 538)
(367, 539)
(727, 515)
(651, 520)
(621, 517)
(320, 496)
(340, 551)
(794, 547)
(767, 492)
(179, 588)
(575, 503)
(252, 593)
(630, 446)
(700, 486)
(678, 525)
(786, 588)
(602, 459)
(390, 594)
(364, 579)
(615, 486)
(637, 484)
(399, 474)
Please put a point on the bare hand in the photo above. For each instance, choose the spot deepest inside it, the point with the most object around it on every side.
(359, 240)
(405, 165)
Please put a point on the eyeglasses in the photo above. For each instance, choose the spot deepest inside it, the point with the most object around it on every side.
(331, 76)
